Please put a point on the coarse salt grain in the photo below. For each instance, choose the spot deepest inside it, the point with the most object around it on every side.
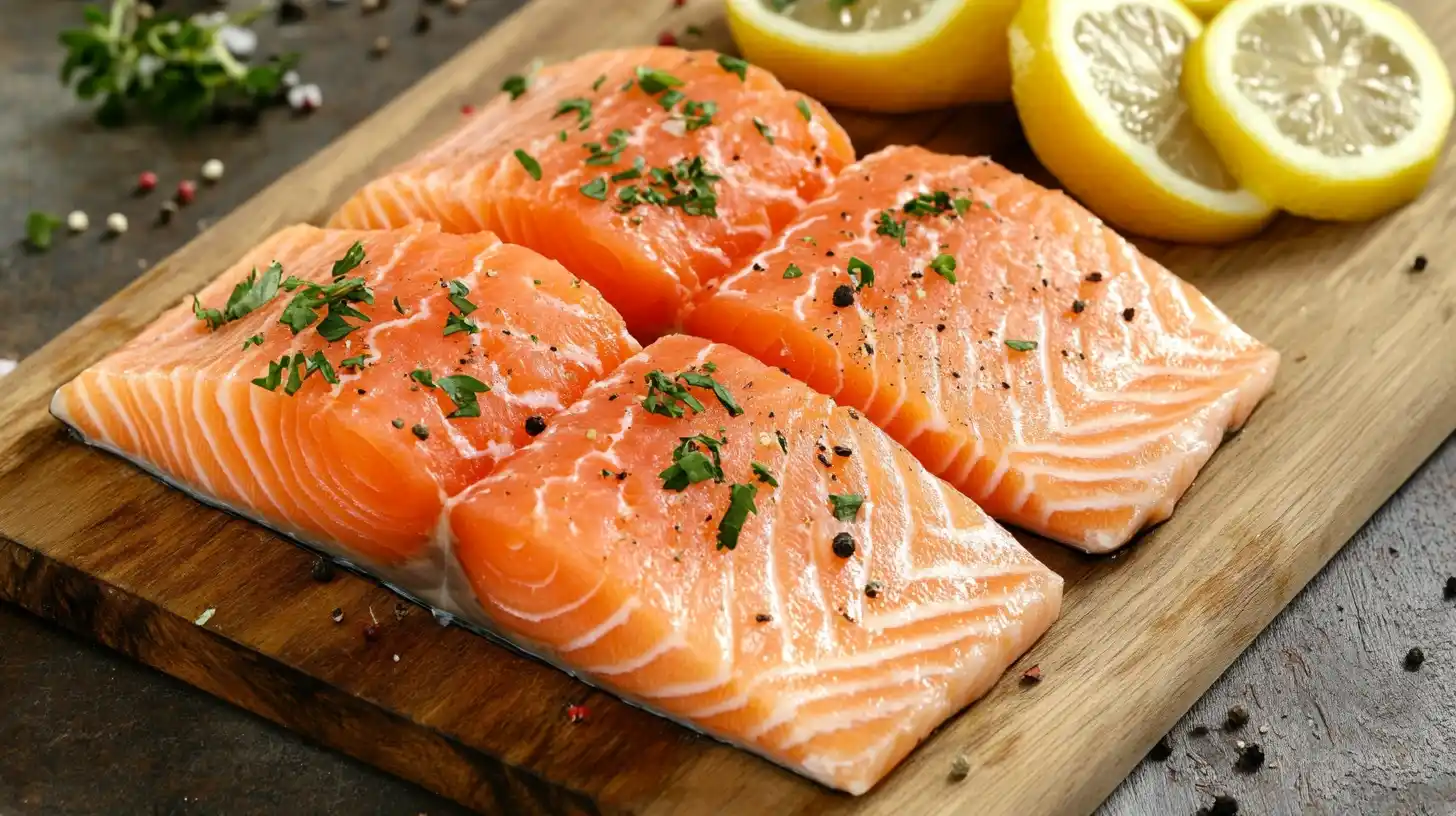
(212, 170)
(77, 221)
(765, 439)
(116, 223)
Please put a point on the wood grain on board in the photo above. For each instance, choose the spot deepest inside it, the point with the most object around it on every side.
(1367, 391)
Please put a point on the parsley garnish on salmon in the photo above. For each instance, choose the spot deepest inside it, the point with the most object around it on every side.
(698, 114)
(455, 324)
(351, 260)
(1022, 345)
(804, 110)
(690, 465)
(933, 203)
(532, 166)
(255, 340)
(248, 295)
(718, 389)
(793, 271)
(595, 189)
(423, 377)
(515, 85)
(578, 105)
(944, 265)
(862, 273)
(654, 81)
(763, 130)
(891, 228)
(458, 290)
(740, 504)
(336, 297)
(666, 395)
(734, 65)
(462, 390)
(845, 505)
(763, 474)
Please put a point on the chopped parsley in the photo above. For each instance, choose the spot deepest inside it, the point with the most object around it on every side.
(709, 366)
(740, 504)
(458, 290)
(666, 397)
(455, 324)
(690, 465)
(891, 228)
(763, 130)
(581, 106)
(515, 85)
(299, 367)
(698, 114)
(351, 260)
(616, 143)
(255, 340)
(719, 391)
(762, 472)
(804, 110)
(598, 84)
(302, 311)
(248, 295)
(654, 81)
(422, 376)
(1022, 345)
(930, 204)
(944, 265)
(635, 172)
(862, 273)
(40, 229)
(527, 161)
(357, 361)
(961, 205)
(793, 271)
(670, 99)
(734, 65)
(596, 189)
(461, 389)
(845, 505)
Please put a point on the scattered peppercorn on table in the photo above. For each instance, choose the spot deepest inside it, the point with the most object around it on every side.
(580, 725)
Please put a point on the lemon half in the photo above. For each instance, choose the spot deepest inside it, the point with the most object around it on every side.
(1096, 84)
(1333, 109)
(890, 56)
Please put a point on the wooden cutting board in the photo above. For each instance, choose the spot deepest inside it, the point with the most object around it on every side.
(1367, 391)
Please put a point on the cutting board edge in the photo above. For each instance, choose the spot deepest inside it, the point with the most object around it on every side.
(142, 630)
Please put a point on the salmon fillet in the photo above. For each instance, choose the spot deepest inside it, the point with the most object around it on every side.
(361, 468)
(822, 601)
(1017, 346)
(596, 128)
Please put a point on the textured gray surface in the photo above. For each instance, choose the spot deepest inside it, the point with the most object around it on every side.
(84, 731)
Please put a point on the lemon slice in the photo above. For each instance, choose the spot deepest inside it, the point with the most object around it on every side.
(1096, 87)
(890, 56)
(1205, 8)
(1333, 109)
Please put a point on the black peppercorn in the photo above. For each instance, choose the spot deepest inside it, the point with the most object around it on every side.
(1129, 313)
(420, 431)
(844, 296)
(1420, 264)
(1223, 805)
(535, 425)
(844, 545)
(323, 570)
(1251, 758)
(1079, 306)
(1414, 658)
(1161, 751)
(1237, 718)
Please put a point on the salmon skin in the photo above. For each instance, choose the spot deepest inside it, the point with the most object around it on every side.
(361, 458)
(714, 541)
(646, 171)
(1017, 346)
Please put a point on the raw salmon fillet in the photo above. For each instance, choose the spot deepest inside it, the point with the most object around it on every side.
(830, 641)
(1064, 381)
(764, 152)
(362, 468)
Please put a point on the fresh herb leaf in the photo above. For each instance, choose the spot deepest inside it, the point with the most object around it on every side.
(423, 377)
(690, 465)
(891, 228)
(634, 173)
(653, 81)
(670, 99)
(357, 361)
(580, 106)
(666, 397)
(718, 389)
(862, 273)
(318, 362)
(40, 230)
(458, 290)
(793, 271)
(763, 474)
(598, 84)
(734, 65)
(343, 266)
(255, 340)
(961, 205)
(212, 317)
(845, 505)
(271, 380)
(933, 203)
(740, 504)
(804, 110)
(783, 441)
(595, 189)
(709, 366)
(763, 130)
(697, 115)
(455, 324)
(302, 310)
(462, 390)
(515, 85)
(1022, 345)
(532, 166)
(944, 265)
(561, 136)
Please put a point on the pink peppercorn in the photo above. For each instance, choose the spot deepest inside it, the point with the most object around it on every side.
(577, 713)
(666, 38)
(186, 191)
(467, 109)
(146, 182)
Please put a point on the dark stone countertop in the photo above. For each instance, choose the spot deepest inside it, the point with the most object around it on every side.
(85, 731)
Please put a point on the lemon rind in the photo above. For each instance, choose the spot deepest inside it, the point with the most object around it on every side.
(887, 41)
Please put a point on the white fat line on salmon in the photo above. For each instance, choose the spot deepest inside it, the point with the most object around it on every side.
(662, 647)
(885, 707)
(871, 658)
(594, 634)
(675, 690)
(547, 614)
(179, 386)
(82, 392)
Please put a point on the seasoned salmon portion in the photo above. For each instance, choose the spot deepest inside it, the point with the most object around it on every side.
(1022, 350)
(646, 171)
(340, 386)
(715, 541)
